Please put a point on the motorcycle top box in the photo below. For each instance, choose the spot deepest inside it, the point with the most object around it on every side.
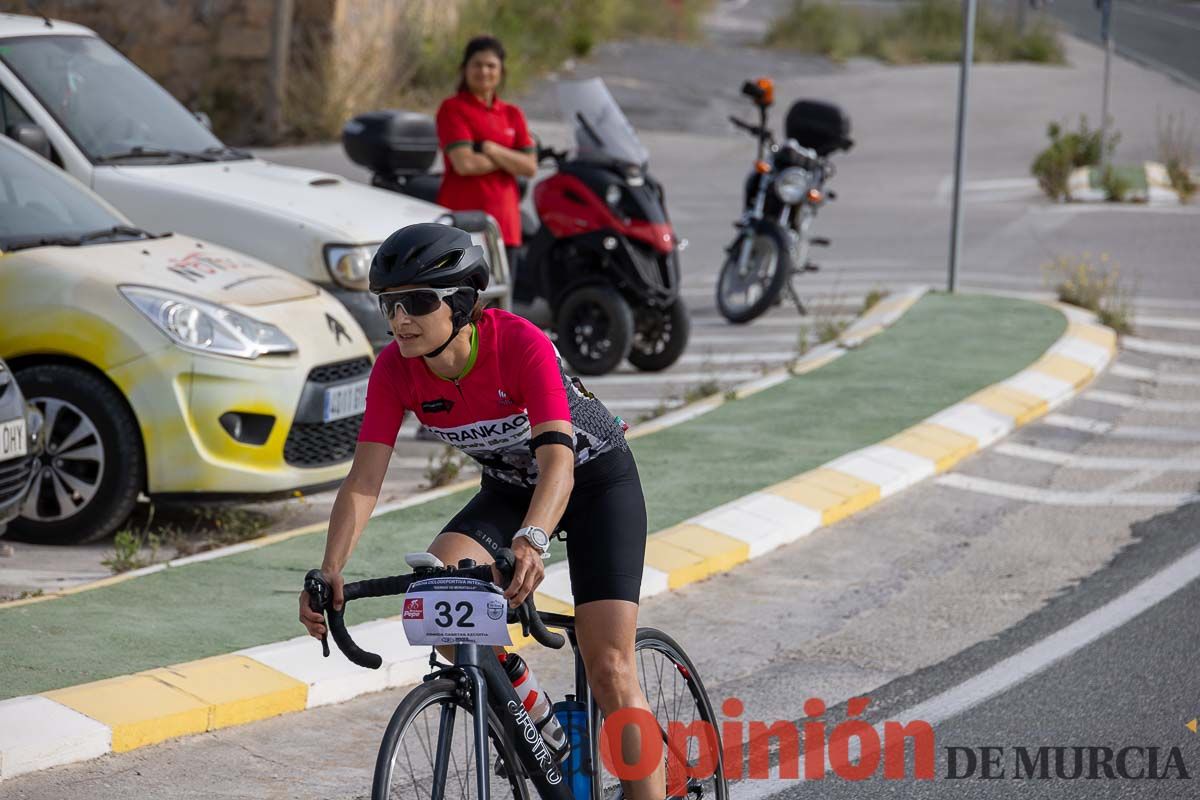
(391, 141)
(818, 125)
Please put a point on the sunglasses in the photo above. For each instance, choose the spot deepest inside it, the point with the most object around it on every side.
(414, 302)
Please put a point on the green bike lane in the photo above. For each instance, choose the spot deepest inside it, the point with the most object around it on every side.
(944, 349)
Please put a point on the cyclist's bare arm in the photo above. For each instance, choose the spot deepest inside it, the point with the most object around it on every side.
(351, 510)
(556, 478)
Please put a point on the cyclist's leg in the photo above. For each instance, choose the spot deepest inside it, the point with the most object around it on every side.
(483, 526)
(606, 547)
(606, 630)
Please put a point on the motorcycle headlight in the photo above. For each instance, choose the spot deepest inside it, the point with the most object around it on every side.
(791, 184)
(349, 265)
(612, 195)
(207, 327)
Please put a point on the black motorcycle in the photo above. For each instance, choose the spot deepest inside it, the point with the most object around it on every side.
(782, 195)
(600, 264)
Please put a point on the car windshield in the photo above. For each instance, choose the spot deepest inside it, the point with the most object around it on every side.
(110, 108)
(40, 205)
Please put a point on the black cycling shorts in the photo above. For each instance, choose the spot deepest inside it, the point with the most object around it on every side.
(605, 525)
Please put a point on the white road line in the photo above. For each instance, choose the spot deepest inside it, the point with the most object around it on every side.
(1158, 433)
(1160, 348)
(791, 320)
(1174, 323)
(645, 378)
(1078, 423)
(1133, 401)
(642, 405)
(1021, 666)
(749, 337)
(776, 356)
(1153, 376)
(1058, 497)
(1109, 463)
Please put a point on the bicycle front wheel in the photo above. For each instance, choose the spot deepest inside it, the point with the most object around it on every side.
(676, 694)
(430, 741)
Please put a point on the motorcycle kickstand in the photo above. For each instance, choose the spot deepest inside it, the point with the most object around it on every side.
(791, 290)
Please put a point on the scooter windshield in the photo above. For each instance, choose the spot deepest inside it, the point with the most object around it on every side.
(602, 133)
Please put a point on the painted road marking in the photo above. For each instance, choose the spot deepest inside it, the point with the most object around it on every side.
(1158, 433)
(614, 379)
(1110, 463)
(1021, 666)
(1154, 376)
(1058, 497)
(1161, 348)
(1134, 401)
(1175, 323)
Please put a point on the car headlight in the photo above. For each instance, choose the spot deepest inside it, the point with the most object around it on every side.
(350, 265)
(791, 184)
(207, 327)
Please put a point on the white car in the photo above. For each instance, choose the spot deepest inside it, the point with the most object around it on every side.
(68, 94)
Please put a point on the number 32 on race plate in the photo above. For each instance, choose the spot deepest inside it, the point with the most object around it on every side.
(455, 611)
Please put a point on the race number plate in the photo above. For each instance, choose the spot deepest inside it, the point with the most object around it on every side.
(12, 439)
(347, 400)
(455, 611)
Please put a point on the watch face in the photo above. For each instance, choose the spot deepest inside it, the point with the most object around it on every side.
(538, 537)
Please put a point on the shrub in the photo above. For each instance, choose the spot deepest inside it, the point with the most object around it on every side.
(1115, 183)
(1177, 151)
(1082, 148)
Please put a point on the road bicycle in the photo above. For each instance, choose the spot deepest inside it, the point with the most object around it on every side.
(439, 741)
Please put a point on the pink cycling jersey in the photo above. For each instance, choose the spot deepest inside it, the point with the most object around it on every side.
(515, 382)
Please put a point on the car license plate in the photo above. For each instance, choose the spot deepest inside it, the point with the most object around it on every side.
(12, 439)
(346, 400)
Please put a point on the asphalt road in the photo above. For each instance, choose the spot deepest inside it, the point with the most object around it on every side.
(1163, 34)
(938, 585)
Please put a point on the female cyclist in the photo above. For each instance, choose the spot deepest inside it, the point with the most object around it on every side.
(490, 383)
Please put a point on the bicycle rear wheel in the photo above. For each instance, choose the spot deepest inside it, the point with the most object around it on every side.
(406, 766)
(675, 693)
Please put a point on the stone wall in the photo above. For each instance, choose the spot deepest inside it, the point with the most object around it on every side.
(214, 55)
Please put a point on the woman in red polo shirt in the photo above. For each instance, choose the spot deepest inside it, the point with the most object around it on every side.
(486, 143)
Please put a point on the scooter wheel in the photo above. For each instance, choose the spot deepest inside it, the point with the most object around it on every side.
(595, 329)
(659, 336)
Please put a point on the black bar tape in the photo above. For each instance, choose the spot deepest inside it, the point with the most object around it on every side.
(551, 437)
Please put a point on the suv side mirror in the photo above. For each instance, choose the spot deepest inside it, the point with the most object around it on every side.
(32, 136)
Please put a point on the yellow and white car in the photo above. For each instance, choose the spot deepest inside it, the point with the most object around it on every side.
(162, 365)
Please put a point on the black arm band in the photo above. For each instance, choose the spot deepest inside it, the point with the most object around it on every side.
(551, 437)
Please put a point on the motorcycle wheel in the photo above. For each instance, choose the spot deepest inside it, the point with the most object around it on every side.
(595, 329)
(659, 336)
(742, 297)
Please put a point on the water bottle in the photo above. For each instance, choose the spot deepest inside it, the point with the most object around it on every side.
(577, 772)
(530, 693)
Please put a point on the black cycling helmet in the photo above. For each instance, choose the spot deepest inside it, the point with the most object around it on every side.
(429, 254)
(435, 255)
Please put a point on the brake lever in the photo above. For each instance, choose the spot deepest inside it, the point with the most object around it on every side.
(320, 595)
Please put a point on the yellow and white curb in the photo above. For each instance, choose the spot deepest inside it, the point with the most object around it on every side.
(127, 712)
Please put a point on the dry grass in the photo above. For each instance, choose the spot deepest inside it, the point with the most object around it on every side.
(1094, 284)
(1177, 151)
(919, 32)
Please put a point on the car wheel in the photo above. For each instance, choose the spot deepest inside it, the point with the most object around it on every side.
(88, 477)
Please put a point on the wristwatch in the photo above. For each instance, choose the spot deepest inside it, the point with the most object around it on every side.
(536, 537)
(477, 145)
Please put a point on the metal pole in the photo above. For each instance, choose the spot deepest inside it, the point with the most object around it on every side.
(964, 74)
(1106, 34)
